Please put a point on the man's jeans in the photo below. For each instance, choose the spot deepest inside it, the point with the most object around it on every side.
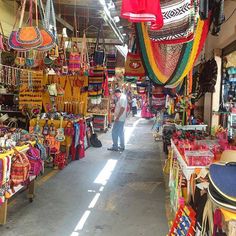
(118, 131)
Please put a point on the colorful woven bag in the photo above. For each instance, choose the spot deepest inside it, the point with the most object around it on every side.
(36, 163)
(29, 37)
(19, 169)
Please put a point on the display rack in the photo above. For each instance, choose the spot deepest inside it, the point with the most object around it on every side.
(191, 127)
(100, 122)
(187, 170)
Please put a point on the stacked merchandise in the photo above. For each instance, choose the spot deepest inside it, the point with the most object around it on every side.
(99, 122)
(158, 98)
(111, 65)
(95, 83)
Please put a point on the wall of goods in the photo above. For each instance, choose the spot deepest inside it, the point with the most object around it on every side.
(51, 93)
(201, 160)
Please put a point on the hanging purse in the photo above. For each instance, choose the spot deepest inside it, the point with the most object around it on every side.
(51, 19)
(84, 57)
(74, 60)
(134, 65)
(99, 53)
(20, 59)
(48, 61)
(6, 57)
(12, 42)
(29, 61)
(29, 37)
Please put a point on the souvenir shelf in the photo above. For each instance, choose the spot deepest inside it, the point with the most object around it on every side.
(185, 168)
(100, 122)
(99, 112)
(31, 186)
(98, 107)
(191, 127)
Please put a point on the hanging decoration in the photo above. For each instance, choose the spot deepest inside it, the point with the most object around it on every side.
(134, 65)
(181, 57)
(179, 22)
(142, 11)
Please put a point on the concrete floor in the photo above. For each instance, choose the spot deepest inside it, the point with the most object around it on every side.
(106, 194)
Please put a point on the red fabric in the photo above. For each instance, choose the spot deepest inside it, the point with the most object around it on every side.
(145, 113)
(142, 11)
(81, 139)
(105, 86)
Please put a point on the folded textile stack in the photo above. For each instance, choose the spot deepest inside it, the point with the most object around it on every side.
(111, 64)
(96, 79)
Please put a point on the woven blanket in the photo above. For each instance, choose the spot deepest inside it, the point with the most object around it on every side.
(95, 80)
(179, 22)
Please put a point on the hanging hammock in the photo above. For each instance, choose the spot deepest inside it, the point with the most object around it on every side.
(168, 64)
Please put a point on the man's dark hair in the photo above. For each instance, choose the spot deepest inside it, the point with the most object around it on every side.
(117, 90)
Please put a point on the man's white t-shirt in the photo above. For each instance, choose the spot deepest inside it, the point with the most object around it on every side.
(122, 102)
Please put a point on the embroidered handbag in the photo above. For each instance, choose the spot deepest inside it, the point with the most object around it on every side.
(36, 164)
(29, 37)
(74, 60)
(133, 65)
(20, 59)
(19, 169)
(60, 160)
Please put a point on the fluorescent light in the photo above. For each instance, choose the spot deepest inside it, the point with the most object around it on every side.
(123, 49)
(111, 21)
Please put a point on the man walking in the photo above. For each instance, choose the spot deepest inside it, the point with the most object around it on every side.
(118, 127)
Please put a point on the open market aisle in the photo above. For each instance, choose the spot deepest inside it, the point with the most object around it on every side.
(106, 194)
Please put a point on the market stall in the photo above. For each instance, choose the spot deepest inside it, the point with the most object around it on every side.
(191, 155)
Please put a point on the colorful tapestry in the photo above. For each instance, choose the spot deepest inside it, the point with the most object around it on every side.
(179, 22)
(169, 64)
(134, 65)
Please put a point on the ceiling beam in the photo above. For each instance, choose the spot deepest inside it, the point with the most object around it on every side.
(93, 40)
(81, 3)
(63, 22)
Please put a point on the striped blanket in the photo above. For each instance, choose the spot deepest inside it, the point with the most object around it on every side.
(179, 21)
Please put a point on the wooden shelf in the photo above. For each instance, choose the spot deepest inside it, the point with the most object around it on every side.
(6, 111)
(8, 94)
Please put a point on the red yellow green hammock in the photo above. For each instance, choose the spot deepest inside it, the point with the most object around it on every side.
(166, 68)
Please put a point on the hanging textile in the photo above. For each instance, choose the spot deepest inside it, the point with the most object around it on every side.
(142, 11)
(170, 68)
(134, 65)
(179, 22)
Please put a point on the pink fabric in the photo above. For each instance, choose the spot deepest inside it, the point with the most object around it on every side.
(145, 113)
